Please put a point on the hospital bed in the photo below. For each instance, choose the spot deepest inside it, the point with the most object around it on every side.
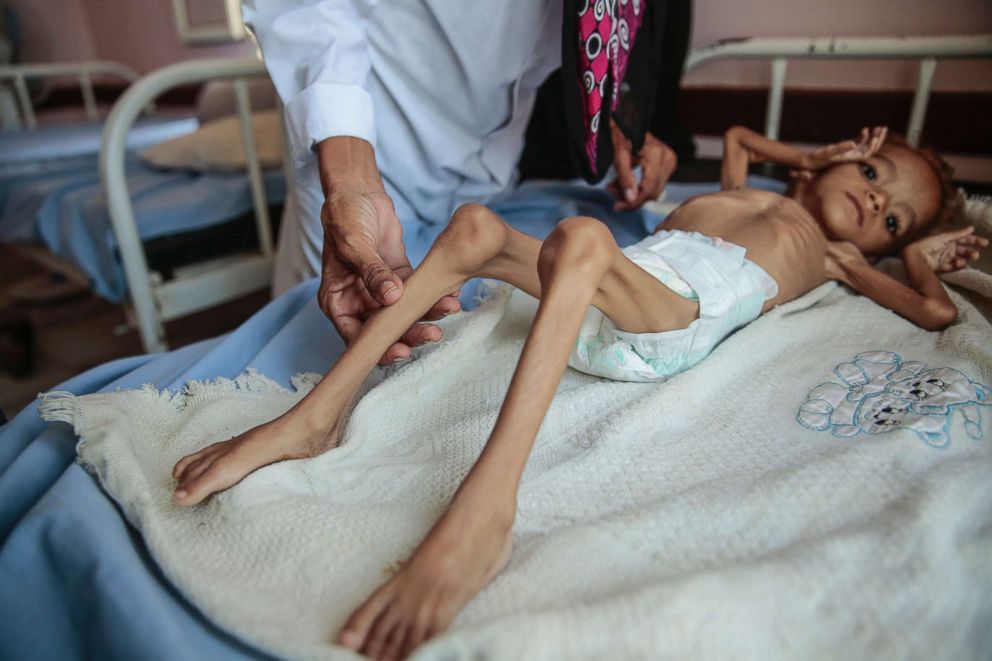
(61, 202)
(205, 284)
(76, 580)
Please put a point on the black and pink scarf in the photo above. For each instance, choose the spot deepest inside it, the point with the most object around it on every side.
(611, 62)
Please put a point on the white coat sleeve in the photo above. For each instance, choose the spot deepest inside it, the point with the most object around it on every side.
(316, 52)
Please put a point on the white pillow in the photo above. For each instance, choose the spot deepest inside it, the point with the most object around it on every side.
(218, 146)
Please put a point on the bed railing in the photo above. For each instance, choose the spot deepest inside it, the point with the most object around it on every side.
(780, 50)
(203, 285)
(83, 72)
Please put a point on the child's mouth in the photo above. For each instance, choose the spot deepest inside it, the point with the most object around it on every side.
(857, 208)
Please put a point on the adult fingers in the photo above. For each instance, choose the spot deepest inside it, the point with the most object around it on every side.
(343, 305)
(444, 307)
(421, 333)
(338, 295)
(380, 280)
(626, 179)
(623, 161)
(658, 162)
(652, 182)
(663, 161)
(394, 252)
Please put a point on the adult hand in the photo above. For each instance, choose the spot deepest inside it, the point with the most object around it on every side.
(657, 161)
(364, 262)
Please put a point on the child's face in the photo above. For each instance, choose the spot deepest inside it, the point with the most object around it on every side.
(877, 203)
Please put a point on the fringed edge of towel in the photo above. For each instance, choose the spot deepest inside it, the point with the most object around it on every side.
(64, 406)
(60, 406)
(251, 380)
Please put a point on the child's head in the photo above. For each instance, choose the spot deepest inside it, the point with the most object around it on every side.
(885, 202)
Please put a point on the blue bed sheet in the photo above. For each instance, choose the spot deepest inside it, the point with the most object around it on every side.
(75, 580)
(71, 139)
(61, 204)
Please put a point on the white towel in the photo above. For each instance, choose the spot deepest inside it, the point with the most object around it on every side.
(731, 512)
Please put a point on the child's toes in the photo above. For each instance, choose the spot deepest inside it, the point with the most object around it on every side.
(181, 465)
(355, 633)
(202, 482)
(191, 492)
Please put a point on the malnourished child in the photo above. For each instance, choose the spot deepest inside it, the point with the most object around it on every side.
(643, 313)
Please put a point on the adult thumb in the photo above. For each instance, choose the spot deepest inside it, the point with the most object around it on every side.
(382, 283)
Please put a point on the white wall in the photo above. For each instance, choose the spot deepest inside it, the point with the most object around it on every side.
(54, 30)
(141, 33)
(150, 40)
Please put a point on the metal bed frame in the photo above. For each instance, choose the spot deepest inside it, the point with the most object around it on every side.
(204, 284)
(155, 301)
(780, 50)
(83, 72)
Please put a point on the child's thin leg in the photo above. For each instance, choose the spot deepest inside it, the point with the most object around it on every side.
(474, 243)
(578, 264)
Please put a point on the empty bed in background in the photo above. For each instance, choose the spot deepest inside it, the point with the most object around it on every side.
(61, 203)
(208, 283)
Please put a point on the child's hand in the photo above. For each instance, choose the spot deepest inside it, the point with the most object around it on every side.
(865, 147)
(951, 251)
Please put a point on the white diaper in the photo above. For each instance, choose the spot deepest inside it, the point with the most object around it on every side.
(731, 291)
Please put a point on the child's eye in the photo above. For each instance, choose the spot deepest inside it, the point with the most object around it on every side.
(892, 224)
(869, 172)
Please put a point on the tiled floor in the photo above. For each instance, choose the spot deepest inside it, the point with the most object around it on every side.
(84, 331)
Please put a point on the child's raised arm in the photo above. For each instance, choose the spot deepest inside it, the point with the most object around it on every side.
(925, 302)
(742, 146)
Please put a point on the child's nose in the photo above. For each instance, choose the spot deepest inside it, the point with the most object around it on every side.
(876, 201)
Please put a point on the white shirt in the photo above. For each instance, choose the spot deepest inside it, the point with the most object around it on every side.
(442, 88)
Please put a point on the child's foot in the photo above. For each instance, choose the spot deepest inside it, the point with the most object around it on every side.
(460, 556)
(222, 465)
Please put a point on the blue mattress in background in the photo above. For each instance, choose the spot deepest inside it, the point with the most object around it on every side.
(71, 139)
(61, 204)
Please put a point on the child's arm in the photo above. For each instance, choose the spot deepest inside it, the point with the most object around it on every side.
(742, 146)
(925, 302)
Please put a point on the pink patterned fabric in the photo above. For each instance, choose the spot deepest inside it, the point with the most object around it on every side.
(606, 35)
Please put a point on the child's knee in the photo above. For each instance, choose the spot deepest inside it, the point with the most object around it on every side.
(578, 244)
(473, 236)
